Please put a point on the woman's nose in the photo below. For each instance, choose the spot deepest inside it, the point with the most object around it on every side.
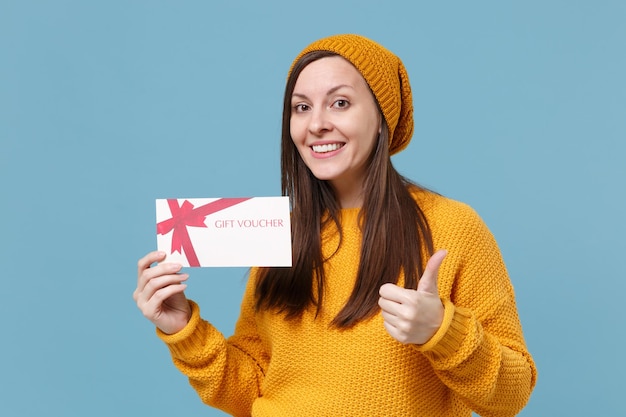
(319, 122)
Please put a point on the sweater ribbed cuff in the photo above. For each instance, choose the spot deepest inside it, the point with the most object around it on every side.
(188, 338)
(448, 339)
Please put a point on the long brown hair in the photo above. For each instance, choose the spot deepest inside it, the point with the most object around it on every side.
(395, 230)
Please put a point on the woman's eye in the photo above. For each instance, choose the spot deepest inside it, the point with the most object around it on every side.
(301, 107)
(342, 104)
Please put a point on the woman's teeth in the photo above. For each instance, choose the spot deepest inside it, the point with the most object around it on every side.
(326, 148)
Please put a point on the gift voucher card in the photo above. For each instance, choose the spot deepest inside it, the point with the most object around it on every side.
(199, 232)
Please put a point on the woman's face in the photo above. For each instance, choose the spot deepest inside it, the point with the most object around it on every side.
(335, 122)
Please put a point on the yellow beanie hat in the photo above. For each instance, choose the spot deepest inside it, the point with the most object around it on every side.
(386, 76)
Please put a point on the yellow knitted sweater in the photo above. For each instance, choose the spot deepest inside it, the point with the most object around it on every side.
(272, 367)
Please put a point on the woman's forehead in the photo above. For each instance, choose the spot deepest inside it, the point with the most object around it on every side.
(329, 72)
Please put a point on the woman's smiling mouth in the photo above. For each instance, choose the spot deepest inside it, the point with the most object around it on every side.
(329, 147)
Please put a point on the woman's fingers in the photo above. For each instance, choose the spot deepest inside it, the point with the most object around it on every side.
(153, 284)
(153, 307)
(149, 259)
(146, 272)
(160, 292)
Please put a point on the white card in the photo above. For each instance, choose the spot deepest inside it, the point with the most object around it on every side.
(202, 232)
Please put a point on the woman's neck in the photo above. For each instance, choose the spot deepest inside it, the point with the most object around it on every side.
(349, 195)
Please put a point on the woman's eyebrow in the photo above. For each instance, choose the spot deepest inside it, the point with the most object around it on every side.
(329, 92)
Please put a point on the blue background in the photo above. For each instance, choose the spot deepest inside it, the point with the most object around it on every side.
(520, 111)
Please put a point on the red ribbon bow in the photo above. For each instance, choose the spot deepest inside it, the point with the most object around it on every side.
(186, 215)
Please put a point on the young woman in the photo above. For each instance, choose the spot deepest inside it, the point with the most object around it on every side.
(398, 302)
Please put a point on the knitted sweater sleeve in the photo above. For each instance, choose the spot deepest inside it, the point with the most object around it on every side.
(479, 351)
(227, 373)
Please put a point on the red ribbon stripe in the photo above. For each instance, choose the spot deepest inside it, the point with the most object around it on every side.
(188, 215)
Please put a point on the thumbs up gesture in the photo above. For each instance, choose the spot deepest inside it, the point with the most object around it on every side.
(414, 316)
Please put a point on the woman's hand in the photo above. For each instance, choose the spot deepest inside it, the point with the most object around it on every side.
(414, 316)
(160, 293)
